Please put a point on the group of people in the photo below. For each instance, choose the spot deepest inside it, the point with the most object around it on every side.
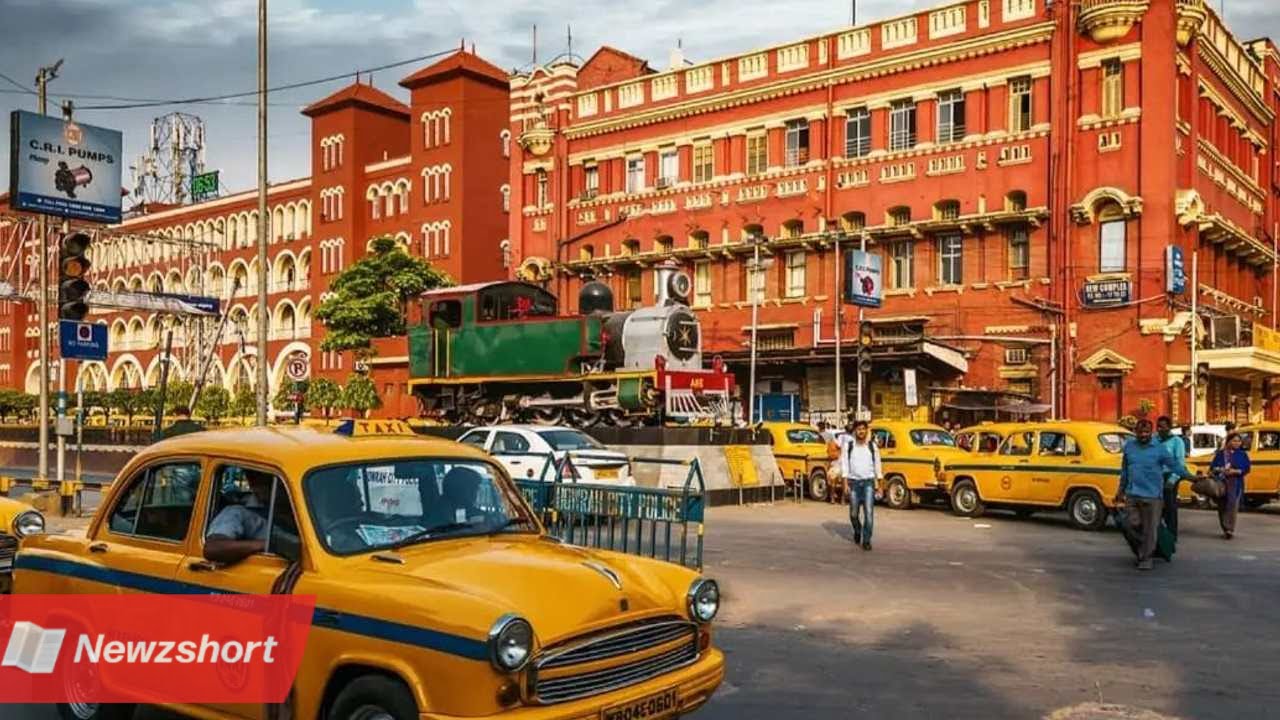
(1151, 470)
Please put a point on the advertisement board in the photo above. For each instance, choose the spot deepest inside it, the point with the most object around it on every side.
(863, 279)
(64, 168)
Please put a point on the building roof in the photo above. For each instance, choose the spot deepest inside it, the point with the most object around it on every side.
(459, 63)
(357, 94)
(609, 65)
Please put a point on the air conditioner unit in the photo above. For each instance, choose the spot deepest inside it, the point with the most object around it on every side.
(1015, 356)
(1224, 331)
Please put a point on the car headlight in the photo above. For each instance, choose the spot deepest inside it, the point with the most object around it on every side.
(510, 643)
(704, 600)
(30, 522)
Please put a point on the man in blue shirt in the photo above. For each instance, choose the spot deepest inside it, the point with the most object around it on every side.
(1177, 447)
(1142, 479)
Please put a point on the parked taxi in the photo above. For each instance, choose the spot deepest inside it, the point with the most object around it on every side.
(1262, 484)
(984, 438)
(1046, 466)
(915, 457)
(438, 594)
(17, 520)
(801, 452)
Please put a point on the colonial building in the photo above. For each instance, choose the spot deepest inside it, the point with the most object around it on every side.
(1022, 168)
(431, 174)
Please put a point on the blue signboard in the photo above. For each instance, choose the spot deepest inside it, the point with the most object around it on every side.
(199, 302)
(1105, 292)
(65, 168)
(82, 340)
(863, 283)
(1175, 270)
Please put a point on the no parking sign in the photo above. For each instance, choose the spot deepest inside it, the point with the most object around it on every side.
(298, 368)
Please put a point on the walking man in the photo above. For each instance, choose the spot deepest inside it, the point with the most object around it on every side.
(860, 466)
(1143, 469)
(1178, 451)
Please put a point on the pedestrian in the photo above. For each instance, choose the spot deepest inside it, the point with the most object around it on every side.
(1178, 451)
(1143, 468)
(1232, 465)
(860, 466)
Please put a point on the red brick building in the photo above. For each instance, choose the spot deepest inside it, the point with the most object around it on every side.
(430, 173)
(1021, 168)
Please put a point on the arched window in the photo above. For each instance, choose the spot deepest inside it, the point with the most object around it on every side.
(1112, 242)
(946, 210)
(853, 222)
(1015, 201)
(792, 229)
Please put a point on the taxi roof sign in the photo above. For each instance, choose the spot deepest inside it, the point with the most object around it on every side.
(353, 427)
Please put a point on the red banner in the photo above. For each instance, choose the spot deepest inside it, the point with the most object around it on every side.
(151, 648)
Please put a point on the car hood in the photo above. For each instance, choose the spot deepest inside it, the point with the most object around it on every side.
(562, 590)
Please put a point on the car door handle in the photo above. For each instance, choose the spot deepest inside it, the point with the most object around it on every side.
(1075, 462)
(100, 547)
(202, 566)
(515, 462)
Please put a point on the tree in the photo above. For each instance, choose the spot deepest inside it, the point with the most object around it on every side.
(361, 395)
(10, 401)
(324, 394)
(285, 399)
(127, 402)
(370, 298)
(214, 403)
(177, 394)
(244, 403)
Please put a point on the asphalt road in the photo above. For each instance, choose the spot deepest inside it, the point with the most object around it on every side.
(993, 618)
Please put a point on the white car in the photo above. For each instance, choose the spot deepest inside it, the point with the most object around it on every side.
(524, 449)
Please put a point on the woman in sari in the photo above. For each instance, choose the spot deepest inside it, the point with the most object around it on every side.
(1231, 465)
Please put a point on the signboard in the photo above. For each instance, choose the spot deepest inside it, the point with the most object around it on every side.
(1175, 270)
(65, 168)
(204, 186)
(298, 368)
(1105, 292)
(863, 279)
(1264, 338)
(161, 302)
(82, 340)
(910, 391)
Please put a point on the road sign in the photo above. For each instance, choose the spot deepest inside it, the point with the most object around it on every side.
(161, 302)
(82, 340)
(298, 368)
(60, 167)
(862, 278)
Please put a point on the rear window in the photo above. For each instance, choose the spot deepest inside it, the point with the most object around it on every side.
(569, 440)
(1268, 440)
(1113, 442)
(803, 435)
(929, 436)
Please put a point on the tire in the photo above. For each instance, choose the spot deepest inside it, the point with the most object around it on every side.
(817, 484)
(374, 697)
(1253, 503)
(965, 500)
(897, 495)
(94, 711)
(1086, 511)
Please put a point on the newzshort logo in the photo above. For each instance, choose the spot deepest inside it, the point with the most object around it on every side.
(35, 650)
(32, 648)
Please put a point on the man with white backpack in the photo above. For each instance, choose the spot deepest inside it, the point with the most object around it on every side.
(860, 466)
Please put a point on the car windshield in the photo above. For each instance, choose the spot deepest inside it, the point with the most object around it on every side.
(1113, 442)
(929, 436)
(363, 507)
(569, 440)
(802, 436)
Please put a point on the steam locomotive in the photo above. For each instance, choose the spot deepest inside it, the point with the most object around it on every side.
(501, 351)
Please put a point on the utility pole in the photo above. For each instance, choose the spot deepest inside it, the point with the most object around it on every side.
(862, 316)
(264, 220)
(43, 76)
(839, 315)
(754, 280)
(1195, 367)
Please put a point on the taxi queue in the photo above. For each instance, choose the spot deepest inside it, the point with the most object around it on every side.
(1026, 467)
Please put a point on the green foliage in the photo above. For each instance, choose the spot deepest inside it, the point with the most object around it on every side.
(245, 402)
(96, 400)
(324, 395)
(360, 394)
(177, 394)
(127, 402)
(371, 296)
(214, 403)
(12, 402)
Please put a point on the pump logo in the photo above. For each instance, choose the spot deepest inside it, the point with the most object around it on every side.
(32, 648)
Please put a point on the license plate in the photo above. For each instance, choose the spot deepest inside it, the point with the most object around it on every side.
(660, 705)
(606, 473)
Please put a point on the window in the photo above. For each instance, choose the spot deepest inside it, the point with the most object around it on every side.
(635, 291)
(755, 280)
(1018, 444)
(1020, 104)
(950, 116)
(1058, 444)
(925, 437)
(542, 188)
(900, 216)
(1112, 88)
(570, 440)
(668, 167)
(1019, 253)
(1111, 237)
(475, 438)
(853, 222)
(509, 442)
(699, 240)
(590, 182)
(951, 260)
(797, 142)
(947, 210)
(883, 438)
(663, 245)
(857, 133)
(702, 284)
(757, 153)
(159, 504)
(703, 163)
(252, 503)
(635, 174)
(795, 274)
(902, 266)
(791, 229)
(902, 125)
(1114, 443)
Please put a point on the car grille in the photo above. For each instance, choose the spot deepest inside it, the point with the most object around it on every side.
(629, 647)
(8, 546)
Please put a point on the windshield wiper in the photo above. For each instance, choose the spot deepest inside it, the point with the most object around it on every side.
(512, 522)
(427, 534)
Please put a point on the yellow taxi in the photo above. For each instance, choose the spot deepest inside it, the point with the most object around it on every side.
(17, 520)
(984, 438)
(1045, 466)
(438, 593)
(915, 457)
(801, 452)
(1262, 484)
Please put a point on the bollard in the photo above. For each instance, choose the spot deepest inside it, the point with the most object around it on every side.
(68, 490)
(39, 484)
(6, 484)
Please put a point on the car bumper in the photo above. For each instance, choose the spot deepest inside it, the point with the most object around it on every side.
(694, 685)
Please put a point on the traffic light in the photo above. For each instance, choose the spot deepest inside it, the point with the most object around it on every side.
(866, 337)
(73, 266)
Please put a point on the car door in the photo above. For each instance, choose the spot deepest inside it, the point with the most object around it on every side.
(1009, 480)
(512, 449)
(1264, 455)
(477, 438)
(1057, 463)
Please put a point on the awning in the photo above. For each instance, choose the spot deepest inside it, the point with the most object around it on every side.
(1011, 408)
(951, 357)
(1243, 362)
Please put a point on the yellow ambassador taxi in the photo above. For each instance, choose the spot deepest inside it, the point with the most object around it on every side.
(17, 520)
(801, 452)
(984, 438)
(915, 457)
(1045, 466)
(1262, 484)
(438, 594)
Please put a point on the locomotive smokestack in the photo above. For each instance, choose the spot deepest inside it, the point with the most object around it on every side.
(671, 285)
(595, 297)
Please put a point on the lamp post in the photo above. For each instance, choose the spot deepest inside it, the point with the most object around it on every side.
(264, 220)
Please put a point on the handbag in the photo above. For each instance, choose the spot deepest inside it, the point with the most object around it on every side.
(1210, 487)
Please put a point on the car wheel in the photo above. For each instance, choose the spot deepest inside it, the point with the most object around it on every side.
(965, 500)
(897, 495)
(1086, 511)
(374, 697)
(94, 711)
(818, 485)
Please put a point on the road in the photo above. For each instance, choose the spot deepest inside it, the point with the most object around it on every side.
(990, 618)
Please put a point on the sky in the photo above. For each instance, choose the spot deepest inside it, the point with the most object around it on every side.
(167, 49)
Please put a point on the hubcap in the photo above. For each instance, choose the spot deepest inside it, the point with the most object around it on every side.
(371, 712)
(965, 499)
(896, 493)
(1086, 511)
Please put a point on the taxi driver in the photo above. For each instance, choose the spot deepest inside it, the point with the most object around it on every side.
(240, 530)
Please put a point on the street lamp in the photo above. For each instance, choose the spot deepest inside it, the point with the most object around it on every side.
(755, 284)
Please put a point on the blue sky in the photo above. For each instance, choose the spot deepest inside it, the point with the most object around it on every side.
(182, 48)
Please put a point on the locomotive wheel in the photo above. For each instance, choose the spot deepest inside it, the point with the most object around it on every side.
(547, 415)
(579, 417)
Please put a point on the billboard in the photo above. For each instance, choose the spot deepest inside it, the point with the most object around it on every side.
(60, 167)
(863, 283)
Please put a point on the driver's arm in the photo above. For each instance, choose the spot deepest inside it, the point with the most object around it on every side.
(227, 541)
